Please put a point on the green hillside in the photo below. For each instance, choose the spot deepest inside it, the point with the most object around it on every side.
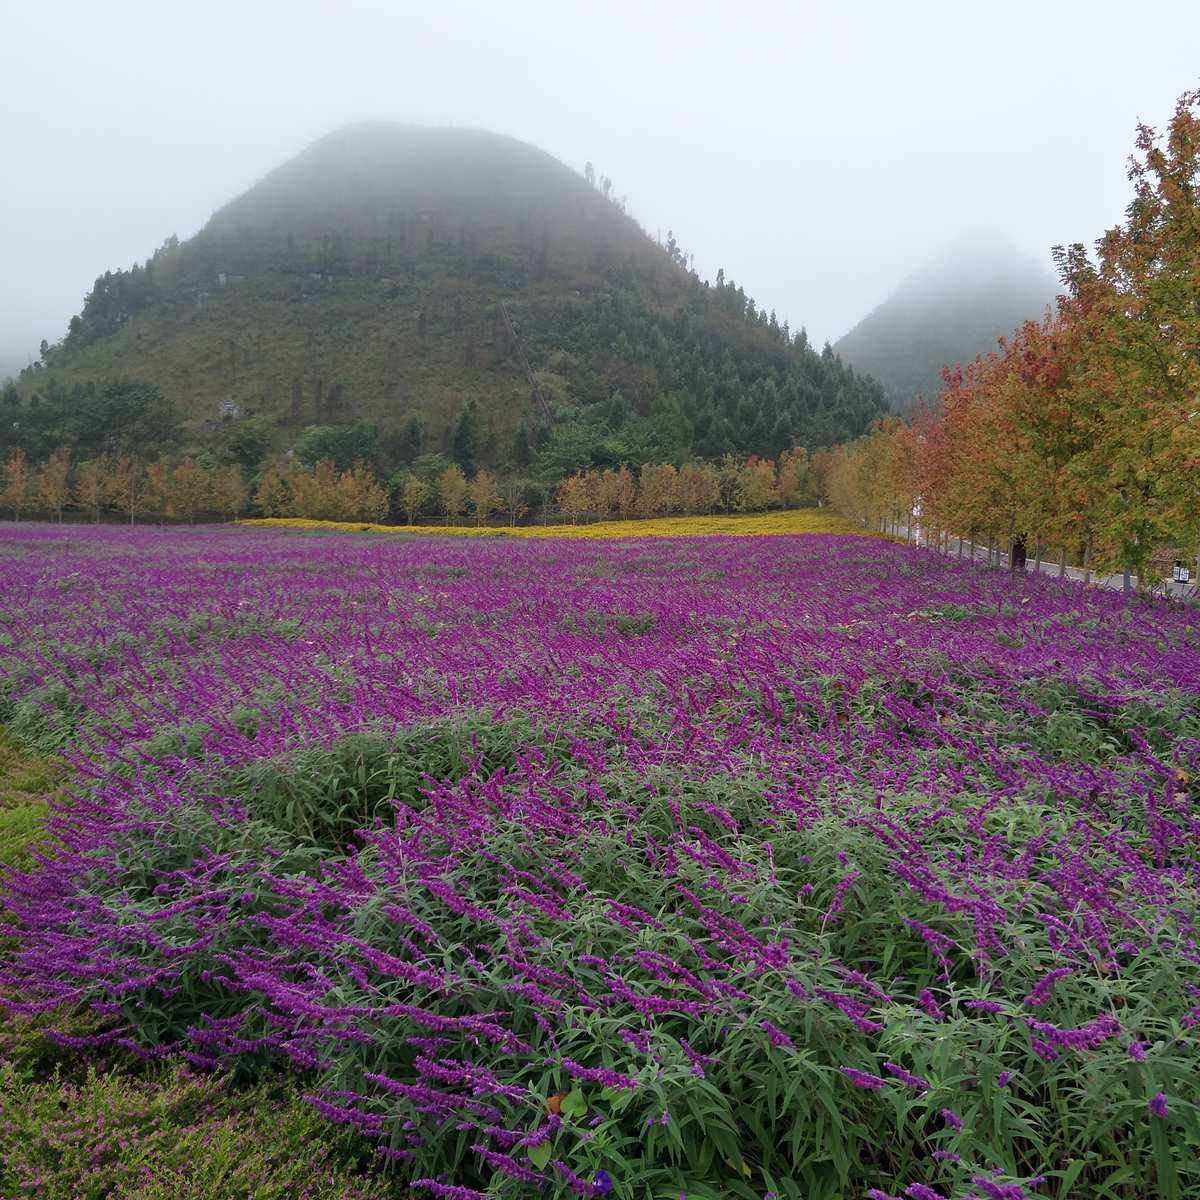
(363, 280)
(951, 310)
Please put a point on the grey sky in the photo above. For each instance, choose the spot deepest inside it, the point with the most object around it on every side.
(816, 151)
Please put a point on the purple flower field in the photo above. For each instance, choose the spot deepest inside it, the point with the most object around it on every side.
(806, 866)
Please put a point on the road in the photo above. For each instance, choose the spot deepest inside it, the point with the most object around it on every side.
(1178, 591)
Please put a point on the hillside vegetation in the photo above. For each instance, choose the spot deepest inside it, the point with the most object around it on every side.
(363, 281)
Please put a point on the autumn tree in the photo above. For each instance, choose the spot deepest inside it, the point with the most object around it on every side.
(452, 492)
(314, 492)
(512, 495)
(52, 483)
(273, 495)
(359, 496)
(756, 486)
(607, 494)
(414, 491)
(126, 486)
(189, 491)
(572, 497)
(156, 498)
(16, 483)
(793, 478)
(729, 482)
(228, 492)
(699, 488)
(485, 497)
(1138, 370)
(624, 493)
(89, 491)
(658, 490)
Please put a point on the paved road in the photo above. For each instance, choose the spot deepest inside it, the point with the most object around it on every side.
(1116, 583)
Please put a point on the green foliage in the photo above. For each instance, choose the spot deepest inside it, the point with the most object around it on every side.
(247, 443)
(118, 416)
(405, 444)
(343, 445)
(323, 796)
(44, 719)
(627, 624)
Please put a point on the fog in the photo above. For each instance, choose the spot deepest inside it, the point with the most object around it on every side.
(818, 153)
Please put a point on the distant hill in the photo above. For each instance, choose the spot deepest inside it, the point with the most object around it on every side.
(951, 310)
(363, 280)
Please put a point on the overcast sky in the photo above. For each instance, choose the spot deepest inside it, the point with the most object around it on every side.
(816, 151)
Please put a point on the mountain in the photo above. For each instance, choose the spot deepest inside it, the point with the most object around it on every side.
(949, 311)
(364, 280)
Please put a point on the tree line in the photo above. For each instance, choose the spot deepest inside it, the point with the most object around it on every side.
(662, 489)
(128, 488)
(1080, 435)
(120, 485)
(440, 489)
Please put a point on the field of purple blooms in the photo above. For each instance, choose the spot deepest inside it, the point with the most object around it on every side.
(805, 867)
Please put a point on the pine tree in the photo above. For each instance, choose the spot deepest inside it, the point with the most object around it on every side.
(411, 440)
(464, 439)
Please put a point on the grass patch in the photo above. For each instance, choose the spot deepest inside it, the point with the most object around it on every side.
(26, 782)
(168, 1134)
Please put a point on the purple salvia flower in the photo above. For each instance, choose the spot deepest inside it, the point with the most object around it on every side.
(907, 1078)
(861, 1079)
(919, 1191)
(930, 1005)
(1044, 986)
(777, 1036)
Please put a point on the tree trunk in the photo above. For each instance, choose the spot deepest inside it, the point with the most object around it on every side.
(1126, 581)
(1016, 557)
(1062, 563)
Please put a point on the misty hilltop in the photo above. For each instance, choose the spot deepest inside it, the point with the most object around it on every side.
(369, 279)
(950, 310)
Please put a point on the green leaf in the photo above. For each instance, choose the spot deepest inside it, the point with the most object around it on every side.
(539, 1156)
(574, 1105)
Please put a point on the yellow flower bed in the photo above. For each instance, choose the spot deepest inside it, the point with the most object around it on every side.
(798, 520)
